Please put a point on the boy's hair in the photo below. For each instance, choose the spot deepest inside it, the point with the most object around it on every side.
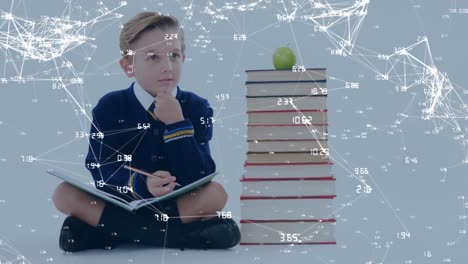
(143, 22)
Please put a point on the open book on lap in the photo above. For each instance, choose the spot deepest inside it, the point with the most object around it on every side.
(133, 205)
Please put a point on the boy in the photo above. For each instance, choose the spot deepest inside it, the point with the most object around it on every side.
(156, 127)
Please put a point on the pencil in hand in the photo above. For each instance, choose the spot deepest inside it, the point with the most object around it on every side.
(145, 173)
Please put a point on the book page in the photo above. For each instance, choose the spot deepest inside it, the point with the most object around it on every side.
(141, 203)
(91, 190)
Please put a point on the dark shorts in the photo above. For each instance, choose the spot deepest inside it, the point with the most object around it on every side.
(168, 207)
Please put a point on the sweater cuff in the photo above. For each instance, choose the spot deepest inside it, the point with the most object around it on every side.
(137, 183)
(178, 130)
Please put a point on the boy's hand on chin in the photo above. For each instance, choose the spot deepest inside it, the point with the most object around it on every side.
(167, 108)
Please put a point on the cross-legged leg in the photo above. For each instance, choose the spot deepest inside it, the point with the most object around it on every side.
(74, 202)
(201, 204)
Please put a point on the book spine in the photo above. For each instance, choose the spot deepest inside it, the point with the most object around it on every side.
(287, 81)
(290, 163)
(305, 178)
(282, 125)
(286, 140)
(330, 178)
(330, 220)
(290, 243)
(286, 95)
(275, 70)
(287, 197)
(246, 164)
(287, 111)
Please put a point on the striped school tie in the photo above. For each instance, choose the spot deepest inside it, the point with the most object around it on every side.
(151, 111)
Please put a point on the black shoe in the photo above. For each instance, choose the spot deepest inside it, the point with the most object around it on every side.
(215, 233)
(77, 235)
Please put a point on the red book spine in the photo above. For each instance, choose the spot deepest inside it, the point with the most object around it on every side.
(268, 140)
(287, 111)
(305, 243)
(325, 178)
(287, 197)
(292, 163)
(289, 125)
(331, 220)
(286, 164)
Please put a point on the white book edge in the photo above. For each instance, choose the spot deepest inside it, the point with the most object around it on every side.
(133, 205)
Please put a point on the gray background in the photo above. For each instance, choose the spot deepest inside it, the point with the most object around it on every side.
(421, 198)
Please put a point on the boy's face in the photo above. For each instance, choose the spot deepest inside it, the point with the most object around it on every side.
(157, 62)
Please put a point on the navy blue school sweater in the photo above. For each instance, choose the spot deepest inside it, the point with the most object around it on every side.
(123, 132)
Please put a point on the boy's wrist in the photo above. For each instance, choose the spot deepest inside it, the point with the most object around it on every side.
(175, 120)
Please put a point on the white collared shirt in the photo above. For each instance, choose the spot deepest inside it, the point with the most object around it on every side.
(145, 98)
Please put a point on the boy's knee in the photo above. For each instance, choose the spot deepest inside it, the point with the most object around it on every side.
(219, 193)
(67, 198)
(60, 197)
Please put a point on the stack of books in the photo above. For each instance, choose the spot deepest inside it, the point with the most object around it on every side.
(287, 186)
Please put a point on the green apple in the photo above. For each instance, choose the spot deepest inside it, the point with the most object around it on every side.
(284, 58)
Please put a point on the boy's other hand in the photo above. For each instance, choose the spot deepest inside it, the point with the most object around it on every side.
(167, 108)
(162, 185)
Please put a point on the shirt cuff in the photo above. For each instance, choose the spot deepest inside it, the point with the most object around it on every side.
(137, 183)
(178, 130)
